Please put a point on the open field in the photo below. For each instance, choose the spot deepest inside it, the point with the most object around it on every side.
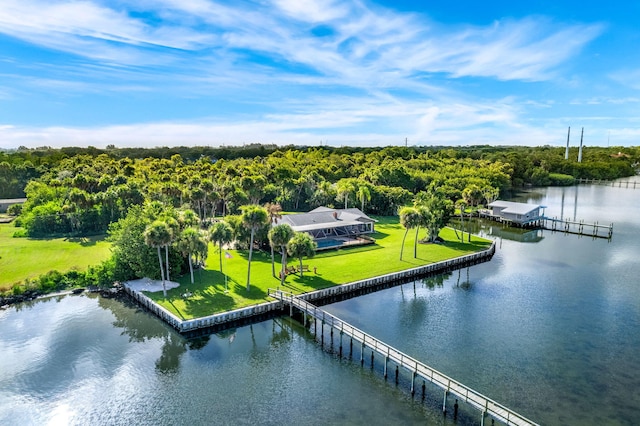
(22, 258)
(333, 267)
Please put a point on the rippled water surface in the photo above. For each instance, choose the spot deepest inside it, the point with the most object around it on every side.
(549, 328)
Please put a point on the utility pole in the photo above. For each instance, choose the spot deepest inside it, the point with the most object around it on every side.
(406, 142)
(566, 152)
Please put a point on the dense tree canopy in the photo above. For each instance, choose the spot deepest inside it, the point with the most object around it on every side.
(76, 191)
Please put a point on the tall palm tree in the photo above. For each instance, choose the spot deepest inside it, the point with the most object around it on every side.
(207, 188)
(424, 218)
(302, 245)
(409, 219)
(174, 228)
(345, 187)
(188, 244)
(253, 217)
(462, 205)
(275, 214)
(158, 234)
(279, 236)
(364, 194)
(221, 234)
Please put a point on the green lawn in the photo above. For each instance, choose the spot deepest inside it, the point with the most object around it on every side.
(333, 267)
(22, 258)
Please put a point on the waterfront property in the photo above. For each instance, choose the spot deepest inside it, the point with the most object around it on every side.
(519, 214)
(333, 228)
(235, 317)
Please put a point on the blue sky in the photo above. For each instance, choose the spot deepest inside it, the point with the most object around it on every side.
(357, 73)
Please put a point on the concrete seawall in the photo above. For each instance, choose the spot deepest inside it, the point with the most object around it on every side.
(223, 320)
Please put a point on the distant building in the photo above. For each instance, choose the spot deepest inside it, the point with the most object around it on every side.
(332, 228)
(521, 214)
(7, 202)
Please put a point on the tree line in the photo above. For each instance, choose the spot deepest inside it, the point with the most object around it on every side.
(85, 192)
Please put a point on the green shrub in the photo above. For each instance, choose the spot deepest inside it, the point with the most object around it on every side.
(559, 179)
(20, 233)
(14, 209)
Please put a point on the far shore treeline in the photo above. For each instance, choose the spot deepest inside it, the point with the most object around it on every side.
(89, 191)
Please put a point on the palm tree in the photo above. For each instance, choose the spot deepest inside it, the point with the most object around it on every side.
(158, 234)
(207, 188)
(302, 245)
(279, 236)
(253, 217)
(409, 219)
(424, 218)
(275, 213)
(188, 244)
(364, 194)
(174, 228)
(345, 187)
(188, 218)
(462, 205)
(221, 234)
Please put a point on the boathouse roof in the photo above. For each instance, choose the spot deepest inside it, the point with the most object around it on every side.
(514, 207)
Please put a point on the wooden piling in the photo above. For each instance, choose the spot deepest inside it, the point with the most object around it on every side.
(416, 368)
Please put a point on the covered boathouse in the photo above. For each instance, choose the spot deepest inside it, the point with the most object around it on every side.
(333, 228)
(518, 214)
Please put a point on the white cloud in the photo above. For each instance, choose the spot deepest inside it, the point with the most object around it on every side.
(342, 121)
(365, 42)
(374, 68)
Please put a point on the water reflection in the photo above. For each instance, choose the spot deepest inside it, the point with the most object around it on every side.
(145, 327)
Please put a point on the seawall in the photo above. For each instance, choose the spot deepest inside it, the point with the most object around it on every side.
(255, 313)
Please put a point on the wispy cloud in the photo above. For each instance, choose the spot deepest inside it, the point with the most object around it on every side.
(363, 44)
(351, 70)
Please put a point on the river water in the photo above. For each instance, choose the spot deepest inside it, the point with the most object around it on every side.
(549, 328)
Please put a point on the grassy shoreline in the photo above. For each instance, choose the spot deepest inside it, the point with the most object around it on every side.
(334, 267)
(28, 258)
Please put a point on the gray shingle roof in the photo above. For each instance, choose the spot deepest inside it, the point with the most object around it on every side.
(324, 217)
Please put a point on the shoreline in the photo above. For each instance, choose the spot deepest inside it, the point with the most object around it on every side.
(224, 320)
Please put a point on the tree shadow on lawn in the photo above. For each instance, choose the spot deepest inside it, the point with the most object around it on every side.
(379, 235)
(297, 284)
(85, 241)
(208, 295)
(346, 250)
(466, 246)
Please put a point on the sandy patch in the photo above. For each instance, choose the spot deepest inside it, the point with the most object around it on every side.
(147, 284)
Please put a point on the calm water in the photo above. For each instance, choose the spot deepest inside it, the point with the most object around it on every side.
(549, 328)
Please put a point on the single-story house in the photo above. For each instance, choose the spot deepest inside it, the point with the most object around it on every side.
(331, 227)
(517, 213)
(5, 203)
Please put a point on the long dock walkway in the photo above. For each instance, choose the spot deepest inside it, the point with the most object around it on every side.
(581, 227)
(613, 183)
(487, 406)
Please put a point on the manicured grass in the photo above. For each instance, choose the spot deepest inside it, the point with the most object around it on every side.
(334, 267)
(22, 258)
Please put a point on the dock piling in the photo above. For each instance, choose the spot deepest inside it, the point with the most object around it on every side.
(415, 367)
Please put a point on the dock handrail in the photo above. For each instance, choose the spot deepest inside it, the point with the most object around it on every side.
(474, 398)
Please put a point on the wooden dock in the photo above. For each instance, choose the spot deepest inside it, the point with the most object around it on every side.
(555, 224)
(618, 184)
(485, 405)
(581, 227)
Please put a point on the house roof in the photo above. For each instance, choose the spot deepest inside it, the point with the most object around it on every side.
(325, 217)
(515, 208)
